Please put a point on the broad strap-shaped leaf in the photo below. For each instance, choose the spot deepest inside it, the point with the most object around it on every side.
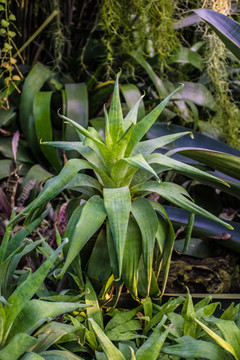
(93, 311)
(180, 166)
(120, 147)
(55, 185)
(50, 334)
(117, 203)
(165, 309)
(108, 137)
(17, 346)
(121, 318)
(148, 146)
(220, 341)
(37, 312)
(109, 349)
(143, 282)
(165, 238)
(112, 251)
(27, 289)
(86, 151)
(189, 347)
(92, 217)
(131, 256)
(142, 127)
(80, 180)
(38, 75)
(178, 196)
(227, 29)
(99, 264)
(152, 346)
(43, 125)
(132, 116)
(115, 114)
(126, 332)
(147, 221)
(139, 162)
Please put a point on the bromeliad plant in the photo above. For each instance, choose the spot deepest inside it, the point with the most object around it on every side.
(135, 234)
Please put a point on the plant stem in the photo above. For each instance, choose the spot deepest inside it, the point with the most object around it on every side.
(37, 32)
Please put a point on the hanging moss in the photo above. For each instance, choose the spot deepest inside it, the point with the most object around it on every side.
(143, 25)
(227, 116)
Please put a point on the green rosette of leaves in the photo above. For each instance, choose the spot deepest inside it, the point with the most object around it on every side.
(133, 236)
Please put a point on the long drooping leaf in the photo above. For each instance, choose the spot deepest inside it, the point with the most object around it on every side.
(27, 289)
(227, 29)
(43, 126)
(117, 203)
(142, 127)
(109, 349)
(32, 84)
(54, 186)
(115, 115)
(180, 166)
(148, 226)
(92, 217)
(226, 163)
(178, 196)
